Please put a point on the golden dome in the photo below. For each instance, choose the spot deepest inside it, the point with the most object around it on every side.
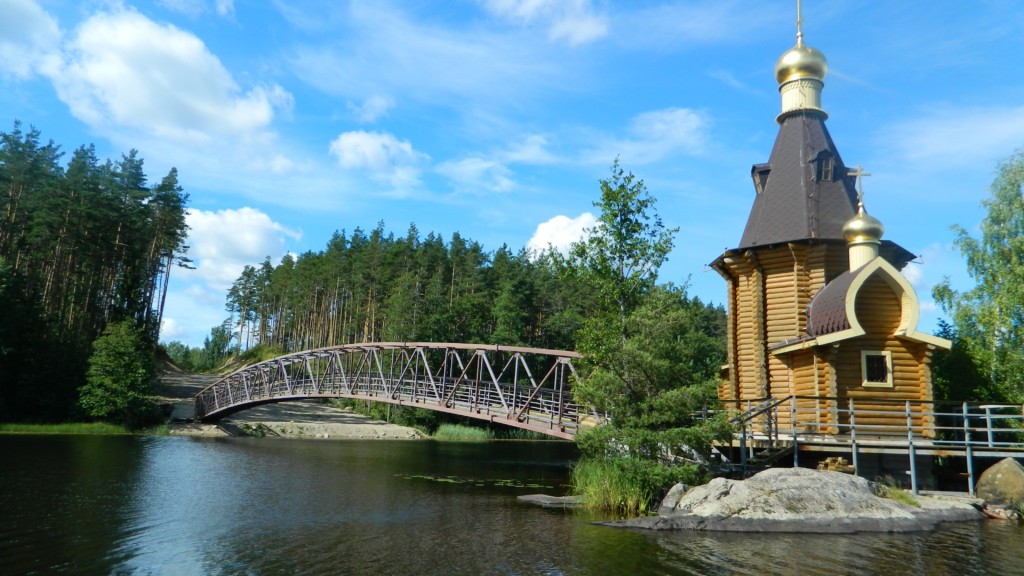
(863, 227)
(801, 61)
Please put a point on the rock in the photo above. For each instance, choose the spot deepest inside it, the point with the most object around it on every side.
(1003, 483)
(669, 502)
(546, 501)
(800, 500)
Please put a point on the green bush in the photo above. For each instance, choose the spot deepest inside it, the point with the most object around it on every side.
(120, 379)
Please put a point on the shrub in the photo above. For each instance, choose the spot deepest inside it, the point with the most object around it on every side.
(120, 378)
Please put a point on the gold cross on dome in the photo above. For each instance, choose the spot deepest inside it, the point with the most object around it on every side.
(859, 173)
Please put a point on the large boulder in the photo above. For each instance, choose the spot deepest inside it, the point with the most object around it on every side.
(800, 500)
(1003, 483)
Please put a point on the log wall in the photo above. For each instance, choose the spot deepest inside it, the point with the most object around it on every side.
(770, 289)
(878, 311)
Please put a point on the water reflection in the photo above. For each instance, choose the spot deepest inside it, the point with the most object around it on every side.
(271, 506)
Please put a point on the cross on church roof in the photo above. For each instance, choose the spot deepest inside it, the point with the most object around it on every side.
(859, 173)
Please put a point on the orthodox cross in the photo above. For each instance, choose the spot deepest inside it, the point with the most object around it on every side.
(859, 173)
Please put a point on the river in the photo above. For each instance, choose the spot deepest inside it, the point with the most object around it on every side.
(173, 505)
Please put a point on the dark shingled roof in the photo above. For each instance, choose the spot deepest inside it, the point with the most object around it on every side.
(791, 203)
(826, 313)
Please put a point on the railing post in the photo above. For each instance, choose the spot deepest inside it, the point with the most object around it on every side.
(792, 422)
(988, 425)
(970, 452)
(743, 448)
(911, 451)
(853, 438)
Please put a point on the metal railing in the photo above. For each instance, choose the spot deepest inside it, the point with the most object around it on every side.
(968, 429)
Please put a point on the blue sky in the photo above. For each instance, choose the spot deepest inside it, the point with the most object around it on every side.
(496, 118)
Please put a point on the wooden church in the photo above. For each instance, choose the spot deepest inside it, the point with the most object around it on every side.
(818, 308)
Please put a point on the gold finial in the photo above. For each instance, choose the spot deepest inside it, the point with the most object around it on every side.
(863, 227)
(800, 72)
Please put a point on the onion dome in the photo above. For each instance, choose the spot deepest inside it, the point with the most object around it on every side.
(801, 61)
(863, 228)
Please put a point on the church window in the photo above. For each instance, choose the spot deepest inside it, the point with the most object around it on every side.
(826, 166)
(877, 369)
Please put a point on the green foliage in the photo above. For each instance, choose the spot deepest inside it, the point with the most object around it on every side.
(628, 486)
(989, 318)
(426, 421)
(651, 356)
(955, 373)
(215, 351)
(375, 286)
(886, 487)
(622, 254)
(664, 371)
(84, 428)
(81, 245)
(461, 433)
(120, 379)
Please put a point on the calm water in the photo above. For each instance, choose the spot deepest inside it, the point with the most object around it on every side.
(168, 505)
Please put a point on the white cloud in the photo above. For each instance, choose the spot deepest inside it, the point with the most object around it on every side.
(225, 241)
(655, 135)
(372, 150)
(477, 174)
(729, 79)
(170, 329)
(912, 272)
(697, 22)
(560, 232)
(490, 172)
(224, 7)
(28, 37)
(383, 155)
(372, 109)
(573, 21)
(122, 69)
(533, 149)
(199, 7)
(384, 51)
(949, 136)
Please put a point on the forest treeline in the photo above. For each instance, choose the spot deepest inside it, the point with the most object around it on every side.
(377, 286)
(83, 245)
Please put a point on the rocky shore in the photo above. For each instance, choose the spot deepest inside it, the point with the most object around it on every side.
(802, 500)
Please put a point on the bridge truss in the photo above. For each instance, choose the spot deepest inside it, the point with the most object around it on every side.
(488, 382)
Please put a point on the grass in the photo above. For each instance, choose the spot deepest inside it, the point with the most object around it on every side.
(607, 485)
(460, 433)
(92, 428)
(900, 495)
(886, 488)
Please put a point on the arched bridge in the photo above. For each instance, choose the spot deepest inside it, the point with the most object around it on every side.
(526, 388)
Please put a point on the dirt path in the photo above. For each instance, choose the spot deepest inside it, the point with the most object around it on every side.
(301, 419)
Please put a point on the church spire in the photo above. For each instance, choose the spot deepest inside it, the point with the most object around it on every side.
(800, 72)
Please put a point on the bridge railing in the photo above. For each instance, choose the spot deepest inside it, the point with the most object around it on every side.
(523, 387)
